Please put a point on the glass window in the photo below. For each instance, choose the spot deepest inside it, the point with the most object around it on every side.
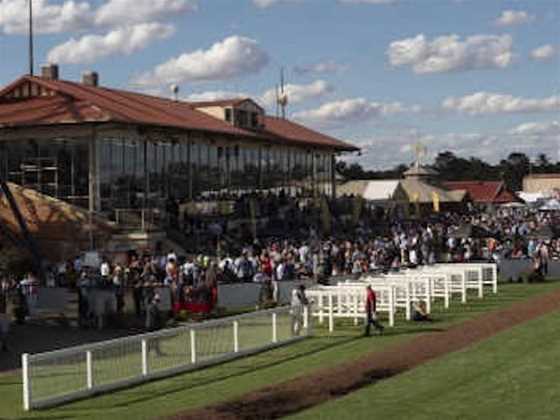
(254, 119)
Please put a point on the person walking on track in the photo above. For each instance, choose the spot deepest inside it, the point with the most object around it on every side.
(371, 312)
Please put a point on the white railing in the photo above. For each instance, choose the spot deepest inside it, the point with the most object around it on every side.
(347, 301)
(397, 291)
(66, 375)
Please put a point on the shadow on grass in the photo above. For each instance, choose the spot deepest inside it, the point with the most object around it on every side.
(147, 395)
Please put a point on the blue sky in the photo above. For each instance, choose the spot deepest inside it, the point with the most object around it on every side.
(477, 77)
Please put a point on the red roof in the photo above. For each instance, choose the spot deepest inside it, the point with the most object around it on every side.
(221, 102)
(483, 191)
(73, 103)
(300, 134)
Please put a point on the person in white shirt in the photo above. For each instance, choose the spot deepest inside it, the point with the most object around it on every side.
(105, 269)
(280, 269)
(298, 303)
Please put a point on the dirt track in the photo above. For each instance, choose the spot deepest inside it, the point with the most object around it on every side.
(307, 391)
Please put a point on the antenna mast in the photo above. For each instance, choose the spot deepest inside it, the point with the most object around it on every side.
(31, 37)
(282, 97)
(277, 89)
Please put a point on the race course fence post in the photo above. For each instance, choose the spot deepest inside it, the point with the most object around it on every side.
(145, 357)
(274, 328)
(193, 346)
(89, 369)
(26, 382)
(236, 336)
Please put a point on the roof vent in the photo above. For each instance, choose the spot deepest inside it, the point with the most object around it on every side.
(90, 78)
(49, 71)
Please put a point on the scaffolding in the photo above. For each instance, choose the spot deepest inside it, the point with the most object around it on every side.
(40, 174)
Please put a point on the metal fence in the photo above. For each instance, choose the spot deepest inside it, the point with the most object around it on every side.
(61, 376)
(139, 219)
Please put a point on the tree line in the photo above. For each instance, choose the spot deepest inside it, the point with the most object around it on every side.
(511, 170)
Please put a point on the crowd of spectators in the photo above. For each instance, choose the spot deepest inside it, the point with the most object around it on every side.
(298, 250)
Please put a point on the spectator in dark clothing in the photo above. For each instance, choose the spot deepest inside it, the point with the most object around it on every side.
(419, 312)
(4, 317)
(154, 322)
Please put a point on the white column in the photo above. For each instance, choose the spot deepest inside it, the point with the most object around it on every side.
(331, 315)
(321, 308)
(193, 346)
(145, 357)
(408, 301)
(89, 369)
(236, 336)
(274, 328)
(463, 288)
(355, 298)
(446, 284)
(391, 309)
(428, 288)
(26, 382)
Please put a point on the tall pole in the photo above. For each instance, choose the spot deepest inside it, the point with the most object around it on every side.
(31, 37)
(283, 104)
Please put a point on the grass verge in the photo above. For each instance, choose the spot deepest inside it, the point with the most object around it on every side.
(513, 375)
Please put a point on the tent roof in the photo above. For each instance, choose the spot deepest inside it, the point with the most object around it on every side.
(425, 192)
(382, 190)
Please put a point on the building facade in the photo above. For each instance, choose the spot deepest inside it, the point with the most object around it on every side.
(105, 149)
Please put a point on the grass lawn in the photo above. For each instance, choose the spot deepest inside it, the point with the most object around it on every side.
(513, 375)
(235, 378)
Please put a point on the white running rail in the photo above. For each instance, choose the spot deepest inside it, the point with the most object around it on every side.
(66, 375)
(348, 301)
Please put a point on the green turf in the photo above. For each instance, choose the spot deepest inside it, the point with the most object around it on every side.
(513, 375)
(235, 378)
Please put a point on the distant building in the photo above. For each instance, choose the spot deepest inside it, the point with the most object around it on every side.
(546, 184)
(382, 193)
(484, 193)
(419, 193)
(425, 192)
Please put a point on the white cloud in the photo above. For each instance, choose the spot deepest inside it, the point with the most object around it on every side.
(49, 17)
(122, 12)
(449, 53)
(348, 110)
(125, 40)
(481, 103)
(544, 52)
(234, 56)
(321, 67)
(215, 95)
(296, 94)
(388, 150)
(299, 93)
(263, 4)
(551, 128)
(513, 17)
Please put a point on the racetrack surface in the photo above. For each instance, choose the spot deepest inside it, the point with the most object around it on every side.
(307, 391)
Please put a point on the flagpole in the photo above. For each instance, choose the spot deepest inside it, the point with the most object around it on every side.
(31, 37)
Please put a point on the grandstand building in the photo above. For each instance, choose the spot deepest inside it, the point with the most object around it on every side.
(105, 149)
